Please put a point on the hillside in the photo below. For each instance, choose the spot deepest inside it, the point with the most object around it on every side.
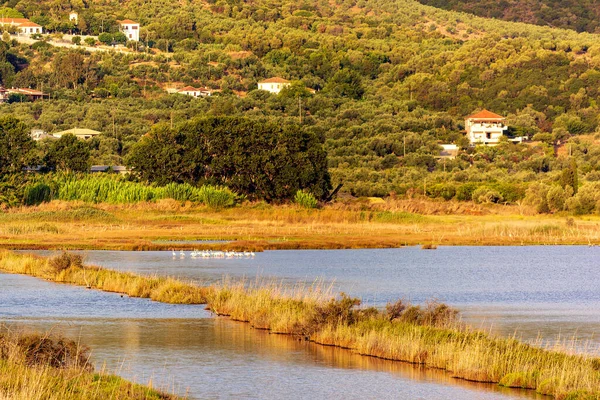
(393, 79)
(582, 16)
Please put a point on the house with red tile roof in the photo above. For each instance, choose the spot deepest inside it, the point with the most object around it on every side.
(131, 29)
(23, 25)
(273, 85)
(485, 127)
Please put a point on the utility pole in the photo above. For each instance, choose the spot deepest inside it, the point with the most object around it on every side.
(300, 108)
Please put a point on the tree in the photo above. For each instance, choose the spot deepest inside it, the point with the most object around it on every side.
(76, 40)
(105, 38)
(120, 37)
(345, 83)
(264, 159)
(90, 41)
(68, 154)
(15, 146)
(569, 177)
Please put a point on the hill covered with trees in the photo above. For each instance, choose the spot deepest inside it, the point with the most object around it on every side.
(391, 80)
(579, 15)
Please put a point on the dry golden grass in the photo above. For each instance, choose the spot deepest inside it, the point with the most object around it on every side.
(35, 367)
(429, 336)
(62, 225)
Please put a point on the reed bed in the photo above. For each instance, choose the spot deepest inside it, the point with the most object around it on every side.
(37, 367)
(429, 335)
(117, 190)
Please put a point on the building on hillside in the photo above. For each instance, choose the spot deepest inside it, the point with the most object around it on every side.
(31, 94)
(196, 92)
(449, 151)
(22, 25)
(3, 95)
(273, 85)
(80, 133)
(74, 17)
(485, 127)
(39, 134)
(131, 29)
(117, 169)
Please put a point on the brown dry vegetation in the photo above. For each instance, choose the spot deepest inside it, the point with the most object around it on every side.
(257, 226)
(430, 336)
(37, 367)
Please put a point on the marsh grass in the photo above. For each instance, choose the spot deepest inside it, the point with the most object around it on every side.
(431, 335)
(40, 367)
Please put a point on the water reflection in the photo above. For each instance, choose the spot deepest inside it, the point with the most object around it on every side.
(185, 350)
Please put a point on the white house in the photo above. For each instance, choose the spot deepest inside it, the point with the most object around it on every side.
(194, 92)
(79, 133)
(74, 17)
(23, 25)
(273, 85)
(131, 29)
(485, 127)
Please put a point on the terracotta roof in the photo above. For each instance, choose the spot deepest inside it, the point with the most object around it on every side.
(193, 89)
(275, 80)
(30, 24)
(485, 114)
(128, 22)
(19, 22)
(188, 89)
(13, 20)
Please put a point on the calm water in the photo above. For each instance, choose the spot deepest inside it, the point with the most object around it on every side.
(184, 349)
(552, 292)
(547, 291)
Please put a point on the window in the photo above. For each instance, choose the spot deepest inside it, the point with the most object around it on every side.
(488, 135)
(134, 27)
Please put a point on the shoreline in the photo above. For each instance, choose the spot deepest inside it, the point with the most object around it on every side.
(310, 314)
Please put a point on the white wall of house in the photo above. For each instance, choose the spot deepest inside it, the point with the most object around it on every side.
(484, 132)
(132, 31)
(272, 87)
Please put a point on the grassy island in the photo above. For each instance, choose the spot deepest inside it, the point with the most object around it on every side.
(428, 335)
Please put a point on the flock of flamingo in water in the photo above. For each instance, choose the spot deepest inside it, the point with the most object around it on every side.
(213, 254)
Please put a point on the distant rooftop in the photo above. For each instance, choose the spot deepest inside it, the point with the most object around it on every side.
(275, 79)
(485, 114)
(77, 132)
(128, 22)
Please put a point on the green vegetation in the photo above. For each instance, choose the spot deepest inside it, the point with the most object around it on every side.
(114, 189)
(258, 158)
(304, 199)
(392, 81)
(37, 367)
(580, 15)
(428, 335)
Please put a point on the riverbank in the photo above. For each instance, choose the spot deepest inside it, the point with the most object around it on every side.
(36, 367)
(427, 335)
(170, 225)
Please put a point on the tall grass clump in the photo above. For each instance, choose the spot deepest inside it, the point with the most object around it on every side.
(40, 367)
(37, 194)
(305, 199)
